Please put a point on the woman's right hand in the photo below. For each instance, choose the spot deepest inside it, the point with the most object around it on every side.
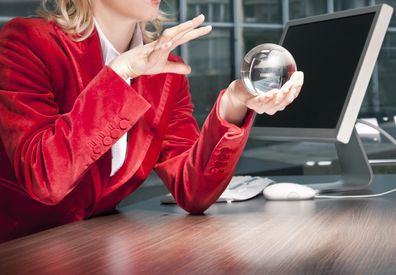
(152, 58)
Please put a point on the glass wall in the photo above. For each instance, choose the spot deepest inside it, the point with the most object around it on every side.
(239, 25)
(304, 8)
(12, 8)
(262, 11)
(211, 57)
(214, 10)
(350, 4)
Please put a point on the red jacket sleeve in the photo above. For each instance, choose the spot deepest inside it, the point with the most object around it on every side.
(51, 150)
(196, 167)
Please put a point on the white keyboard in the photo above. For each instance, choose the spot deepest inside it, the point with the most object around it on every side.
(240, 188)
(243, 188)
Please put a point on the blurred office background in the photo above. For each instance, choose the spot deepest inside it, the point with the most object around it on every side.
(239, 25)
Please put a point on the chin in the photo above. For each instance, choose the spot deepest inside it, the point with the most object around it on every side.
(153, 15)
(139, 10)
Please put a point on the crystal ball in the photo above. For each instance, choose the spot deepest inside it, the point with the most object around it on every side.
(266, 67)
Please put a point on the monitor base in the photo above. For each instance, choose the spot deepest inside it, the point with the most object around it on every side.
(356, 172)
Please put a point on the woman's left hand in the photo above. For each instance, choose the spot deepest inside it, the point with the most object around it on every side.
(237, 99)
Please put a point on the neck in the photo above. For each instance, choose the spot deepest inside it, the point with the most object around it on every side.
(118, 29)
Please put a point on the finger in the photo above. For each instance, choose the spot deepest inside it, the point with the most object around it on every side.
(288, 99)
(261, 103)
(147, 48)
(276, 107)
(179, 30)
(281, 94)
(295, 75)
(257, 101)
(277, 102)
(155, 55)
(296, 80)
(264, 99)
(182, 34)
(191, 35)
(298, 77)
(297, 87)
(162, 44)
(287, 94)
(176, 67)
(285, 102)
(270, 93)
(297, 91)
(294, 92)
(288, 85)
(290, 88)
(301, 76)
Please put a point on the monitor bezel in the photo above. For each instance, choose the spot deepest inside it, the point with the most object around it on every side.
(347, 119)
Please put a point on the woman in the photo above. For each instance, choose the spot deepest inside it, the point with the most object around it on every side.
(82, 125)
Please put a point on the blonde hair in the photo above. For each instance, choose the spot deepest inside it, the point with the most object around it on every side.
(75, 17)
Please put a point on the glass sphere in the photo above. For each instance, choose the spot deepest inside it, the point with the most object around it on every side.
(266, 67)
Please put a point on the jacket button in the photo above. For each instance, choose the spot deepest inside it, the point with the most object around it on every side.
(214, 170)
(124, 124)
(97, 149)
(224, 157)
(219, 152)
(115, 133)
(107, 141)
(225, 150)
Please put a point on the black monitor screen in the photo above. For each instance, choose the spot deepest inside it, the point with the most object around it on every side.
(328, 53)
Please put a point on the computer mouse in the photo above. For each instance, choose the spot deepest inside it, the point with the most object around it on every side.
(289, 191)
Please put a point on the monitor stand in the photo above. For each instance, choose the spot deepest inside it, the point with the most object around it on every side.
(356, 172)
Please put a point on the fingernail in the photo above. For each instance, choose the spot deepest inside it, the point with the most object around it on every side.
(201, 15)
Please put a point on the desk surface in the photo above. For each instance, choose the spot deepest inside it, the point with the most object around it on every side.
(353, 236)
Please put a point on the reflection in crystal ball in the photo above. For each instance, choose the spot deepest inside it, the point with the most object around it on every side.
(266, 67)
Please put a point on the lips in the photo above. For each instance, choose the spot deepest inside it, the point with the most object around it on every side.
(155, 2)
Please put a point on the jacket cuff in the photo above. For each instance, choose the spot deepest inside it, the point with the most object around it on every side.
(228, 141)
(231, 130)
(120, 118)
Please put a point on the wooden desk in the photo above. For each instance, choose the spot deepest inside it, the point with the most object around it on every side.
(354, 236)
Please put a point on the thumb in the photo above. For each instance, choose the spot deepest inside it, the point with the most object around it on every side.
(176, 67)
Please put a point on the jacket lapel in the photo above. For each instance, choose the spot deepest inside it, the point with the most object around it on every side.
(85, 56)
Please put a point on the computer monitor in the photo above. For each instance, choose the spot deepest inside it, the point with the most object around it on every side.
(337, 53)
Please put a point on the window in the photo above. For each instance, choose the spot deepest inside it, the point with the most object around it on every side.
(304, 8)
(262, 11)
(350, 4)
(13, 8)
(214, 10)
(256, 36)
(390, 3)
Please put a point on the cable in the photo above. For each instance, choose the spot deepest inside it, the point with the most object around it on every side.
(355, 196)
(392, 140)
(379, 129)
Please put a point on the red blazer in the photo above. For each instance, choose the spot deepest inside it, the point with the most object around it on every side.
(61, 110)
